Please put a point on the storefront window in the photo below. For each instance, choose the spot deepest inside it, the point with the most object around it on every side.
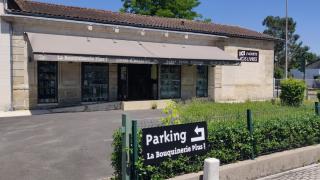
(202, 81)
(95, 82)
(170, 82)
(47, 82)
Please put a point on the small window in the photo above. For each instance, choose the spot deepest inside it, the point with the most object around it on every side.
(170, 82)
(47, 82)
(202, 81)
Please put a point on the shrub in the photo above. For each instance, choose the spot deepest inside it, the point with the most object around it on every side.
(318, 95)
(278, 73)
(229, 141)
(292, 92)
(172, 114)
(116, 153)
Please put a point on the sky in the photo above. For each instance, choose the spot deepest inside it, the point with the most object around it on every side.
(244, 13)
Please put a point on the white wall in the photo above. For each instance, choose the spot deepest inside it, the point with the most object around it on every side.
(5, 63)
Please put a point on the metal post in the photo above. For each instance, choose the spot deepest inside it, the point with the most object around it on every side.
(317, 108)
(274, 87)
(286, 70)
(250, 129)
(277, 85)
(135, 149)
(125, 161)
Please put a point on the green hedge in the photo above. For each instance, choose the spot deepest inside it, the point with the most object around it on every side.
(292, 92)
(229, 141)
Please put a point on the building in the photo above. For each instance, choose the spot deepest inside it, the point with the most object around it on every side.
(54, 55)
(311, 76)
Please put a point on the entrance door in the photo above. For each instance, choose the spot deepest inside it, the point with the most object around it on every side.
(138, 82)
(47, 82)
(94, 82)
(122, 81)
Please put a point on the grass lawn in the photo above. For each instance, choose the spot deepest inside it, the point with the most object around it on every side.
(198, 110)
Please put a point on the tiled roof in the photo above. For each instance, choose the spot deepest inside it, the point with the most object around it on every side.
(102, 16)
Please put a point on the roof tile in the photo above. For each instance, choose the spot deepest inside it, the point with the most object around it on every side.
(117, 18)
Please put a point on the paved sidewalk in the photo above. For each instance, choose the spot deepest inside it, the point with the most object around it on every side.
(4, 114)
(311, 172)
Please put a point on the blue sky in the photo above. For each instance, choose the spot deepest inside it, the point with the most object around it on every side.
(245, 13)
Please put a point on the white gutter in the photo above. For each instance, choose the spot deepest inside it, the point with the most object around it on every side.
(108, 25)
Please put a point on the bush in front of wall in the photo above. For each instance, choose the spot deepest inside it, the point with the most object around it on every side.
(229, 141)
(318, 95)
(292, 92)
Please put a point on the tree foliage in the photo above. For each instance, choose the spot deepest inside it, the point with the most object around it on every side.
(163, 8)
(298, 53)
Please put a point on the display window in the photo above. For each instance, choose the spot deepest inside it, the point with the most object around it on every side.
(170, 82)
(95, 82)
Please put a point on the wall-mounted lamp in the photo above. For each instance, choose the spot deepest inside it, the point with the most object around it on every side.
(186, 36)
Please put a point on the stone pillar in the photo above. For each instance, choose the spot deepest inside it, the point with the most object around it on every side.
(214, 82)
(217, 83)
(5, 63)
(20, 72)
(113, 82)
(69, 83)
(188, 82)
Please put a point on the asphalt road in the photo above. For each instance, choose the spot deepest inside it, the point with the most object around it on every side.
(66, 146)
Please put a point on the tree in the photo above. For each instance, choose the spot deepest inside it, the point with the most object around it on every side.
(163, 8)
(301, 56)
(298, 53)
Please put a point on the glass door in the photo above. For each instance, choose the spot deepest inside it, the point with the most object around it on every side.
(47, 82)
(202, 81)
(122, 81)
(170, 81)
(95, 83)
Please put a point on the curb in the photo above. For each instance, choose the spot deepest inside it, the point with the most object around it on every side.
(264, 165)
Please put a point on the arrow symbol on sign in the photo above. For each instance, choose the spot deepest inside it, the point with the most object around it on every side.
(200, 138)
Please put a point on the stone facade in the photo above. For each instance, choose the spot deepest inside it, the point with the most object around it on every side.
(250, 80)
(225, 83)
(188, 82)
(5, 63)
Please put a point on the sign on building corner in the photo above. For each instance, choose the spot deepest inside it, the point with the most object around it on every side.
(248, 56)
(162, 143)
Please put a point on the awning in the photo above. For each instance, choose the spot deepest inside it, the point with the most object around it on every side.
(48, 47)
